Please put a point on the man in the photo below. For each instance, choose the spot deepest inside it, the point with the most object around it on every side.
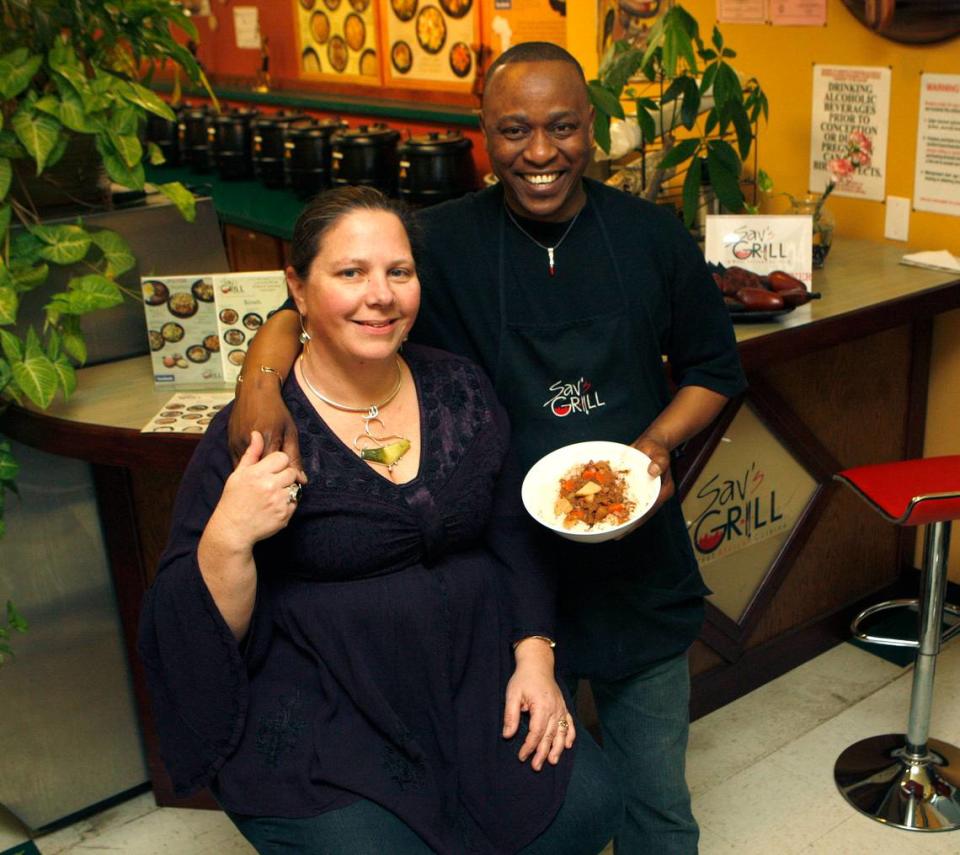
(568, 293)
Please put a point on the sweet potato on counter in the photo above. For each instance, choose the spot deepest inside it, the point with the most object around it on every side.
(746, 291)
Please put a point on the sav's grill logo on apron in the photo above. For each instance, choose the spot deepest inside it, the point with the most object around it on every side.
(569, 398)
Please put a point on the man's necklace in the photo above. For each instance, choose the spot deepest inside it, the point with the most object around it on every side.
(377, 448)
(551, 263)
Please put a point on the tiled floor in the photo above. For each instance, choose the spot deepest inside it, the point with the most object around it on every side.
(760, 770)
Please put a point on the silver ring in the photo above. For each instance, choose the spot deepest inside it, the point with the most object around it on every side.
(293, 493)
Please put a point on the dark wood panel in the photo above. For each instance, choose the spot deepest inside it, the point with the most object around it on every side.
(250, 250)
(99, 444)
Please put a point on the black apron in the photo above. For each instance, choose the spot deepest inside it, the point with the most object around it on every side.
(577, 380)
(622, 605)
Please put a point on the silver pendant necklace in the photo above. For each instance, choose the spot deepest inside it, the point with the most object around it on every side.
(377, 448)
(551, 263)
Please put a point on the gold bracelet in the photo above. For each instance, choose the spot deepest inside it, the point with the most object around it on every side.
(549, 641)
(265, 369)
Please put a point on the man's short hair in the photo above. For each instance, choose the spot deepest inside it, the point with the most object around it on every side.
(536, 52)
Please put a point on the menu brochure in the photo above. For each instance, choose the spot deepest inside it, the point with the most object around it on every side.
(200, 326)
(188, 412)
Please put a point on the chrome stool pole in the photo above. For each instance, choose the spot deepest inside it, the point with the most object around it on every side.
(909, 780)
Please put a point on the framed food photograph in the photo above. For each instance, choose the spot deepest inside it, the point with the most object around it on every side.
(338, 40)
(430, 44)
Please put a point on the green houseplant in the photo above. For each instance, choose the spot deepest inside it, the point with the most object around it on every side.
(688, 97)
(71, 72)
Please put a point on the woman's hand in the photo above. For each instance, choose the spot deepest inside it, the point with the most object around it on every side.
(256, 502)
(533, 689)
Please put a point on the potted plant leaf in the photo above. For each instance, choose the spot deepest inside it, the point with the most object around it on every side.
(689, 100)
(73, 80)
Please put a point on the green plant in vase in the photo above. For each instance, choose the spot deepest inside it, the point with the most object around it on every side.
(689, 98)
(857, 154)
(71, 74)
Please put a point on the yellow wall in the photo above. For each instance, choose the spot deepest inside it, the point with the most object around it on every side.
(782, 59)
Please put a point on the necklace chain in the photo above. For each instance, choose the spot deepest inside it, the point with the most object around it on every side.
(372, 411)
(551, 264)
(370, 446)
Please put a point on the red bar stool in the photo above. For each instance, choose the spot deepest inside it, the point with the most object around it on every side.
(909, 780)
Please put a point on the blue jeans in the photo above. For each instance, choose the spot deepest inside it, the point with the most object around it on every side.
(645, 720)
(589, 816)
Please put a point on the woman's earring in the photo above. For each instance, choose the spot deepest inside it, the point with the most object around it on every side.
(304, 335)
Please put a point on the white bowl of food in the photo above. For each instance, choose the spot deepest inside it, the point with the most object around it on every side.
(590, 491)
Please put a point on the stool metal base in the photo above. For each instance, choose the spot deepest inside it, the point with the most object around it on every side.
(880, 780)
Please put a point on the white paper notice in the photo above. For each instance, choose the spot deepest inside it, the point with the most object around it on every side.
(798, 13)
(848, 99)
(741, 11)
(246, 25)
(937, 182)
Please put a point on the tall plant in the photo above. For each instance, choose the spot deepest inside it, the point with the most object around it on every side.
(71, 69)
(684, 84)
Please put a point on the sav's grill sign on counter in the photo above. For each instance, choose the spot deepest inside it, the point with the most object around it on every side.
(762, 244)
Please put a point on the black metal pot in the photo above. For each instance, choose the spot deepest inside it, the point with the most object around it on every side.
(194, 139)
(435, 167)
(366, 155)
(165, 134)
(307, 154)
(268, 151)
(231, 139)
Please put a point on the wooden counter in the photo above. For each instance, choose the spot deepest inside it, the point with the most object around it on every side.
(841, 382)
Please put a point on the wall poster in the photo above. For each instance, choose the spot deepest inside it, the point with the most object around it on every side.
(431, 44)
(338, 40)
(851, 111)
(509, 22)
(798, 13)
(741, 11)
(937, 182)
(626, 20)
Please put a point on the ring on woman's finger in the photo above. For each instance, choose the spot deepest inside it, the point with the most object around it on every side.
(563, 724)
(293, 493)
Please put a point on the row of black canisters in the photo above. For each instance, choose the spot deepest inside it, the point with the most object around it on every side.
(307, 154)
(424, 170)
(310, 155)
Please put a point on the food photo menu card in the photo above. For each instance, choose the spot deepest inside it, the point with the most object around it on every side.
(200, 326)
(244, 302)
(430, 42)
(188, 412)
(338, 40)
(182, 329)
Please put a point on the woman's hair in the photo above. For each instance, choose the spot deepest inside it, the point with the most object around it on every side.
(323, 212)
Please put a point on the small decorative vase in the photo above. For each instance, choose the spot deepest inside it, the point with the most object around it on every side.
(823, 224)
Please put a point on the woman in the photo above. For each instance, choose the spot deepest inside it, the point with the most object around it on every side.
(354, 657)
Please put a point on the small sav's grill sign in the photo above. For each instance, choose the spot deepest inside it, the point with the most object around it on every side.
(761, 243)
(757, 244)
(736, 512)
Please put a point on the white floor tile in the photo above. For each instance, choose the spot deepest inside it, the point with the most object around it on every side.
(766, 808)
(732, 738)
(860, 835)
(161, 831)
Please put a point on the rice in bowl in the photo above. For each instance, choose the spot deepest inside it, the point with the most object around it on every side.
(542, 486)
